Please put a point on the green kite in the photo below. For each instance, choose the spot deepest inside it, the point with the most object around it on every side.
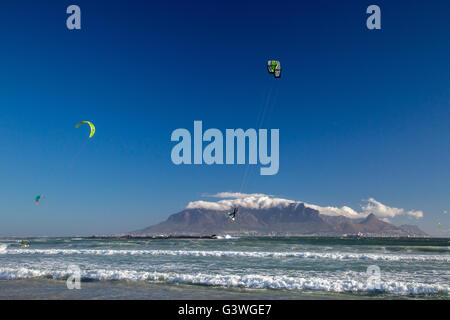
(90, 125)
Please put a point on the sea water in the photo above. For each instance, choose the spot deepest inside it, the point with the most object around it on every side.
(226, 268)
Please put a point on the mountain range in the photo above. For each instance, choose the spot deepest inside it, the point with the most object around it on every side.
(295, 219)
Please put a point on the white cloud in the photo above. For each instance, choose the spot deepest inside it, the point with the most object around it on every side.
(262, 201)
(381, 210)
(416, 214)
(250, 201)
(335, 211)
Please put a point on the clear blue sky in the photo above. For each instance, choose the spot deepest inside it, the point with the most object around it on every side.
(361, 113)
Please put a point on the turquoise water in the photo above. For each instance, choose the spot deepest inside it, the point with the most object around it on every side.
(239, 268)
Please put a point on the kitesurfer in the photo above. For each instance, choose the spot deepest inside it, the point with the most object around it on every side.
(232, 215)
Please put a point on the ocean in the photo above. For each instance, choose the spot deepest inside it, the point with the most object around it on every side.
(226, 268)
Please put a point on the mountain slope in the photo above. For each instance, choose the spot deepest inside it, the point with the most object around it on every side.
(294, 219)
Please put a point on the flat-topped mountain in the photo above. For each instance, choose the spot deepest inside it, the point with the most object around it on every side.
(294, 219)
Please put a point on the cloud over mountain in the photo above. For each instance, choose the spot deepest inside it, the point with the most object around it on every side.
(230, 200)
(381, 210)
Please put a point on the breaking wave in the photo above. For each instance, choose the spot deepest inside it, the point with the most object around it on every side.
(227, 237)
(251, 281)
(217, 253)
(418, 248)
(3, 248)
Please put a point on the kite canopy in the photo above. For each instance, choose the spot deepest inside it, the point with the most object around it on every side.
(90, 125)
(274, 67)
(39, 197)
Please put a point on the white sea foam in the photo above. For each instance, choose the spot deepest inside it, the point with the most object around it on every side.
(227, 237)
(251, 254)
(254, 281)
(3, 248)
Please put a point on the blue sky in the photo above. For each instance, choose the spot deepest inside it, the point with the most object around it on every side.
(361, 113)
